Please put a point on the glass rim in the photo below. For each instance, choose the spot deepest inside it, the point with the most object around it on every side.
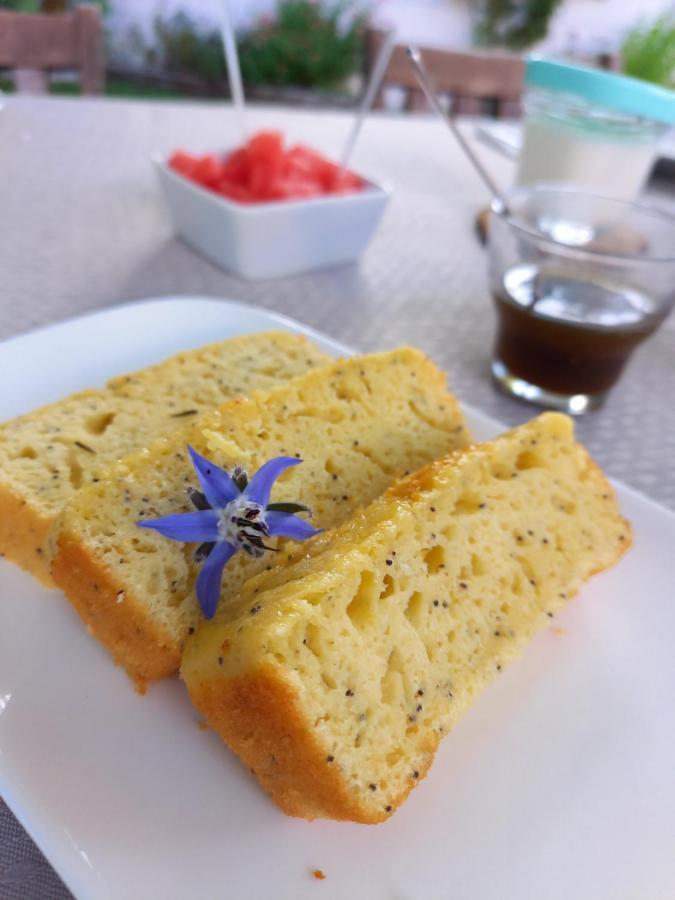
(613, 90)
(571, 109)
(500, 207)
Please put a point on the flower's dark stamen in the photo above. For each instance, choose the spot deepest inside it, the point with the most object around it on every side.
(185, 412)
(256, 541)
(253, 545)
(256, 548)
(246, 525)
(197, 499)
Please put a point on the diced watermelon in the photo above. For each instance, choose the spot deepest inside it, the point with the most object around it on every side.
(262, 171)
(294, 188)
(345, 182)
(234, 191)
(236, 164)
(183, 162)
(261, 179)
(208, 170)
(267, 146)
(304, 160)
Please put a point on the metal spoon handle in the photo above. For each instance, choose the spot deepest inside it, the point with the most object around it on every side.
(422, 75)
(376, 77)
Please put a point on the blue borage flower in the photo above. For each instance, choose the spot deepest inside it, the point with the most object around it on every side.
(233, 514)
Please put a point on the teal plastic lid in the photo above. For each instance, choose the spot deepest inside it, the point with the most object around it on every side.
(616, 92)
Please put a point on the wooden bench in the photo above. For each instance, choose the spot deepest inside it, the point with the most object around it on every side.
(478, 83)
(32, 45)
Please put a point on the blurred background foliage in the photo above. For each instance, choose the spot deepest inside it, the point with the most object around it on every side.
(50, 6)
(305, 44)
(648, 51)
(319, 46)
(513, 24)
(180, 47)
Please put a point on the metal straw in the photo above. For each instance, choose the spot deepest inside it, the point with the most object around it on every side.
(422, 75)
(233, 69)
(376, 77)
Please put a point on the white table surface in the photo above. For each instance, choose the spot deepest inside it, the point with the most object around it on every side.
(83, 226)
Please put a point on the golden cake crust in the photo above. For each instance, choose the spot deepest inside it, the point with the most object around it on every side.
(23, 534)
(113, 615)
(259, 717)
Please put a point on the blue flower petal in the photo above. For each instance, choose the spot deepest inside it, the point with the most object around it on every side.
(287, 525)
(218, 487)
(208, 580)
(259, 487)
(188, 527)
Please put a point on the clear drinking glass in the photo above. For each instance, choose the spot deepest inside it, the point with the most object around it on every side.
(578, 282)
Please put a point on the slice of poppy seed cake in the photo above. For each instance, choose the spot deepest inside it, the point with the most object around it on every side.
(335, 678)
(357, 424)
(46, 455)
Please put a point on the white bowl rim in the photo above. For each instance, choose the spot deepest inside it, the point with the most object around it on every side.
(374, 188)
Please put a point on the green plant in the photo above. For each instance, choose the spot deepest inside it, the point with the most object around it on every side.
(310, 44)
(182, 48)
(516, 24)
(648, 51)
(25, 6)
(103, 5)
(34, 6)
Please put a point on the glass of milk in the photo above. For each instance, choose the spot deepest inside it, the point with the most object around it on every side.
(590, 128)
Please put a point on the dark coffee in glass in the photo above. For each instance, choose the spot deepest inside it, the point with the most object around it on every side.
(578, 282)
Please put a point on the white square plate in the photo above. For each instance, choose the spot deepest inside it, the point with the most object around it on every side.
(559, 783)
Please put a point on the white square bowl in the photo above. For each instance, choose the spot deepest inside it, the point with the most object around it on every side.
(271, 240)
